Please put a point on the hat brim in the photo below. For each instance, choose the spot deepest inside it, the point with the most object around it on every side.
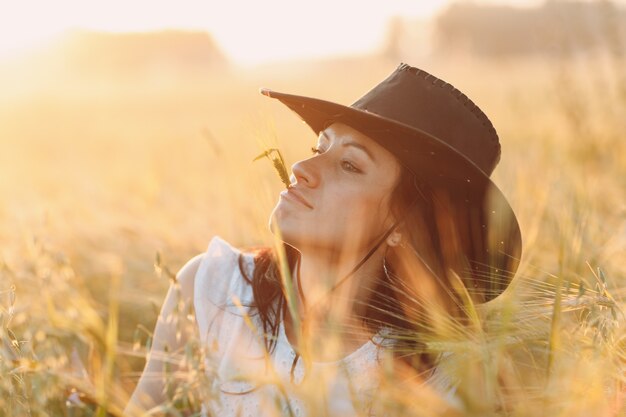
(436, 163)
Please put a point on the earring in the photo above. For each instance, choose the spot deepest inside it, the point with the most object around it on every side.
(394, 239)
(385, 268)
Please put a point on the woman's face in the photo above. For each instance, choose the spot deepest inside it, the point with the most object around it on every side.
(339, 198)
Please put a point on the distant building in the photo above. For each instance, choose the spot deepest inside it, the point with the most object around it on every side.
(553, 28)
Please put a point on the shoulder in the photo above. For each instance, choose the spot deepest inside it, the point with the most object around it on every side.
(222, 271)
(186, 275)
(219, 258)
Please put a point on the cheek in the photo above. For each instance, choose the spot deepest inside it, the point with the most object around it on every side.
(361, 210)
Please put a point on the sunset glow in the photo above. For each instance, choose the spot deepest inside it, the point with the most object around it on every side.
(247, 31)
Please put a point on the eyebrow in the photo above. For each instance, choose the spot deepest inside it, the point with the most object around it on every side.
(353, 144)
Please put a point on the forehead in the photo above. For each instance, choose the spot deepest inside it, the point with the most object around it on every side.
(340, 131)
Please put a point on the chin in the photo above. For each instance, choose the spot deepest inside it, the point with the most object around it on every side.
(289, 229)
(279, 223)
(274, 220)
(300, 231)
(282, 231)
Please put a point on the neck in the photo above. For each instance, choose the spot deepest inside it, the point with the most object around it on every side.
(334, 305)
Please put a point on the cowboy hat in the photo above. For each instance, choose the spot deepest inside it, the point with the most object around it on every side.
(440, 136)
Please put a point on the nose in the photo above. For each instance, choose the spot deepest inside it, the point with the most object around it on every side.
(306, 173)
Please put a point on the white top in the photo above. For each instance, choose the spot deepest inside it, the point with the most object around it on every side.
(245, 381)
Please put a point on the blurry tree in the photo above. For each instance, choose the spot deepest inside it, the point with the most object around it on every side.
(165, 54)
(392, 48)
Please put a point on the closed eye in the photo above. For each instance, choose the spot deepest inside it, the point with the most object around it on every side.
(316, 150)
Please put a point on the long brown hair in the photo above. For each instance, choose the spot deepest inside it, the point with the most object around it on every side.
(436, 241)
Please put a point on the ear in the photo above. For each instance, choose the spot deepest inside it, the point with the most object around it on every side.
(394, 238)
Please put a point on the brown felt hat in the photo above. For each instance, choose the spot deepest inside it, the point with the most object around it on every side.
(446, 141)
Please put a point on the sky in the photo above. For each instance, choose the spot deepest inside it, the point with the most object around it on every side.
(248, 31)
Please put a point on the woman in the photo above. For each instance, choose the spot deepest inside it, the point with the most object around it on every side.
(390, 229)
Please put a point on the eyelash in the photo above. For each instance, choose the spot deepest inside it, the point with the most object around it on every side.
(347, 165)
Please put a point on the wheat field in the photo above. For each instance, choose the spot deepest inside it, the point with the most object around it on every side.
(109, 187)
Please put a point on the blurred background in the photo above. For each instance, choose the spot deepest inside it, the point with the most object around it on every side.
(128, 129)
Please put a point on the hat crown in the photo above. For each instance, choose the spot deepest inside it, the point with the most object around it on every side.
(422, 101)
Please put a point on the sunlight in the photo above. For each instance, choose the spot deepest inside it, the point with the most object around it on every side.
(247, 31)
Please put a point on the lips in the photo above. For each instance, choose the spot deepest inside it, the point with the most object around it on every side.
(294, 194)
